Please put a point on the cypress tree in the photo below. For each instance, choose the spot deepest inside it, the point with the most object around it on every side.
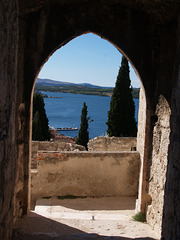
(41, 120)
(121, 116)
(36, 128)
(83, 136)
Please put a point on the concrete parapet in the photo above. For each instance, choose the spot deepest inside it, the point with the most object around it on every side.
(93, 174)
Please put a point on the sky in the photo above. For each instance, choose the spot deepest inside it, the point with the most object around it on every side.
(86, 59)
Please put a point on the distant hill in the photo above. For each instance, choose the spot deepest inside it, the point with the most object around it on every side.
(48, 85)
(93, 86)
(50, 82)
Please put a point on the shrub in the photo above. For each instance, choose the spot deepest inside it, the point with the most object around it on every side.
(140, 217)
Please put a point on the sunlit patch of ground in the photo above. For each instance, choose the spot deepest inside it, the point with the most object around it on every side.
(87, 218)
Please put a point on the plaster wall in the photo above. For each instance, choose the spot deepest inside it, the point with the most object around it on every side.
(51, 146)
(93, 174)
(112, 144)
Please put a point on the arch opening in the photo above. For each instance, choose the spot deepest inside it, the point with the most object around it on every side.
(87, 61)
(70, 194)
(106, 44)
(50, 49)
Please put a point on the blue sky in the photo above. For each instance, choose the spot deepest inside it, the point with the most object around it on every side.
(86, 59)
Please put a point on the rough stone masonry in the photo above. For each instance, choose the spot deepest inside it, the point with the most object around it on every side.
(148, 33)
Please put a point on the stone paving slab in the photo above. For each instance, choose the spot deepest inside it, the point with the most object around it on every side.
(51, 221)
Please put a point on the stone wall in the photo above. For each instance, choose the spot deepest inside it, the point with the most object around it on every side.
(140, 30)
(8, 113)
(154, 158)
(171, 211)
(94, 174)
(158, 167)
(141, 145)
(51, 146)
(144, 147)
(112, 144)
(148, 34)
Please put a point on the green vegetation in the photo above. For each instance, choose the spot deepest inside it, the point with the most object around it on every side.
(47, 197)
(121, 116)
(79, 89)
(140, 217)
(40, 128)
(69, 197)
(135, 92)
(83, 135)
(43, 95)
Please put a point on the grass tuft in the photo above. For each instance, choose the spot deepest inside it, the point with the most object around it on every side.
(140, 217)
(47, 197)
(69, 197)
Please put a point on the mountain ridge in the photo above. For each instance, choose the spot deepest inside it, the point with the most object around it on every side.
(50, 82)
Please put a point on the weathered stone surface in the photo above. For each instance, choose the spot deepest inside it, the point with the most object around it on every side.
(51, 146)
(159, 164)
(141, 144)
(8, 114)
(112, 144)
(94, 174)
(171, 213)
(146, 31)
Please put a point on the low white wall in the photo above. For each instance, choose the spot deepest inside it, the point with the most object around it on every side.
(94, 174)
(112, 144)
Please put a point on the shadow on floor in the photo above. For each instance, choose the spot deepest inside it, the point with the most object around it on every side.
(89, 203)
(37, 227)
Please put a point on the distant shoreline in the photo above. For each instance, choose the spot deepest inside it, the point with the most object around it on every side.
(104, 92)
(51, 96)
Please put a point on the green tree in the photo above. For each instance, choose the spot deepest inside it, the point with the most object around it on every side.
(121, 116)
(40, 128)
(36, 127)
(83, 136)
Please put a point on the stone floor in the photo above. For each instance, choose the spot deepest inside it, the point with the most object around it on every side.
(77, 219)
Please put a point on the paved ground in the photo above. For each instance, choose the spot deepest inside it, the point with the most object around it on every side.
(77, 219)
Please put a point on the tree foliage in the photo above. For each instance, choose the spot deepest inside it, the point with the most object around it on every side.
(83, 136)
(79, 89)
(121, 116)
(40, 128)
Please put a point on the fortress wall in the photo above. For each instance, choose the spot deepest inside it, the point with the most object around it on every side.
(148, 34)
(141, 144)
(154, 159)
(112, 144)
(171, 211)
(51, 146)
(158, 167)
(8, 114)
(93, 174)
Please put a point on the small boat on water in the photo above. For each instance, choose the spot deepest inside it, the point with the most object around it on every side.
(67, 129)
(64, 129)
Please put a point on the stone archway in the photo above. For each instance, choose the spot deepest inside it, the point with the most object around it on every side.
(41, 28)
(146, 32)
(43, 36)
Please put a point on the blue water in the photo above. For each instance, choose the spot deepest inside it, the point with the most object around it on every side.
(66, 112)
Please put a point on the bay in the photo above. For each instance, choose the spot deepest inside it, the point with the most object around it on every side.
(64, 110)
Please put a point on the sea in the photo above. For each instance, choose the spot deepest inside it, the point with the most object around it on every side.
(64, 111)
